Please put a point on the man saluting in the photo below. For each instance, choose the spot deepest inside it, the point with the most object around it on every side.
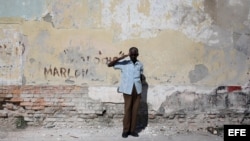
(131, 87)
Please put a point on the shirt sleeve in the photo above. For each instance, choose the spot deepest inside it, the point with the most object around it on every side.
(142, 69)
(120, 64)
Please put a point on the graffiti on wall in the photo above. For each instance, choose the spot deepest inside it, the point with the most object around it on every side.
(76, 59)
(64, 72)
(97, 57)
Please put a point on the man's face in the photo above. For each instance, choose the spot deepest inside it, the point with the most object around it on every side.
(133, 55)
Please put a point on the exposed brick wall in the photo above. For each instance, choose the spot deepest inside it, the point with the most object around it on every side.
(70, 104)
(39, 97)
(48, 103)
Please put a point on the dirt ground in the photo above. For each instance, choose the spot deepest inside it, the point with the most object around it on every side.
(153, 132)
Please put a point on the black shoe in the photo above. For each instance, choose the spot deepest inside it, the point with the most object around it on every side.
(134, 134)
(125, 134)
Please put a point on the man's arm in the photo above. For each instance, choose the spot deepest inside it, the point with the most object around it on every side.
(112, 63)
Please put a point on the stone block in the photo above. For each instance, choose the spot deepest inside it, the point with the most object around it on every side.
(3, 114)
(26, 103)
(60, 116)
(27, 99)
(65, 104)
(69, 109)
(2, 99)
(78, 100)
(29, 119)
(48, 95)
(28, 95)
(65, 96)
(181, 120)
(88, 116)
(37, 107)
(49, 110)
(118, 116)
(72, 119)
(151, 116)
(80, 120)
(212, 116)
(8, 95)
(171, 116)
(9, 106)
(85, 111)
(54, 99)
(77, 95)
(28, 107)
(38, 95)
(50, 119)
(47, 104)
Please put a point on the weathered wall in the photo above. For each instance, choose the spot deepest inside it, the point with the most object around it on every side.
(181, 42)
(185, 45)
(73, 106)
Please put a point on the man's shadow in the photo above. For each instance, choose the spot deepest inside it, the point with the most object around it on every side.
(142, 117)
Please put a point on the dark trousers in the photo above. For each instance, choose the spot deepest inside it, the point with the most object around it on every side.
(131, 106)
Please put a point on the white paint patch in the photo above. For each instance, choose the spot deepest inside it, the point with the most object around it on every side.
(11, 60)
(235, 2)
(158, 94)
(155, 96)
(162, 15)
(105, 94)
(247, 22)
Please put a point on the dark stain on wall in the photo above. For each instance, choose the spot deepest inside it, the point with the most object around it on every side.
(210, 8)
(48, 18)
(200, 71)
(231, 15)
(243, 44)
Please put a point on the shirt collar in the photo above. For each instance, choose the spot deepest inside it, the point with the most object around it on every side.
(136, 63)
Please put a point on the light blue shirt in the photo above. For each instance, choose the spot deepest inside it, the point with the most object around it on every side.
(131, 74)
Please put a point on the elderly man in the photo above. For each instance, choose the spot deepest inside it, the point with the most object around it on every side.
(131, 87)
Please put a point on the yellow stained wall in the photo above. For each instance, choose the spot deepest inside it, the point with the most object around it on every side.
(71, 42)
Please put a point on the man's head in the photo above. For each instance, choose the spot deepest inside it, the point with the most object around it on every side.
(133, 53)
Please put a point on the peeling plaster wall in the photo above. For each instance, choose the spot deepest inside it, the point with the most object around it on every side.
(182, 43)
(27, 9)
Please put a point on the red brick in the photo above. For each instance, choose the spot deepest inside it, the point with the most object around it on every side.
(16, 91)
(16, 99)
(3, 113)
(39, 100)
(61, 100)
(233, 88)
(9, 106)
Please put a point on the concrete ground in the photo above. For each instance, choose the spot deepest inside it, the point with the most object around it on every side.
(102, 133)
